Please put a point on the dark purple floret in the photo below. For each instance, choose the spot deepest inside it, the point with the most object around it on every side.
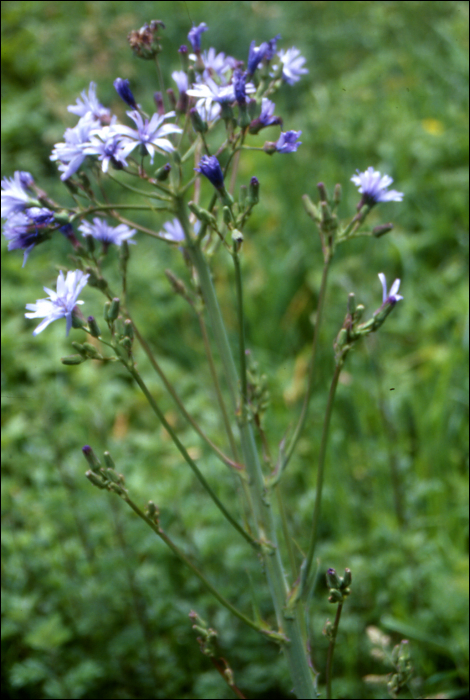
(271, 50)
(210, 167)
(194, 36)
(239, 81)
(124, 92)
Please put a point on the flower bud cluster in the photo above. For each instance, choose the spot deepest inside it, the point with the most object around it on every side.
(339, 586)
(103, 477)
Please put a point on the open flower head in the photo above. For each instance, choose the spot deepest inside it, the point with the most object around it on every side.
(292, 65)
(105, 233)
(373, 187)
(389, 297)
(60, 303)
(149, 133)
(287, 142)
(15, 197)
(90, 106)
(173, 231)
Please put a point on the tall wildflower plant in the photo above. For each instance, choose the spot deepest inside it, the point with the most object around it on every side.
(175, 164)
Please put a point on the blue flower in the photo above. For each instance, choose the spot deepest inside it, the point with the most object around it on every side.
(100, 230)
(71, 153)
(60, 303)
(210, 167)
(106, 143)
(149, 133)
(239, 81)
(25, 230)
(257, 54)
(292, 65)
(373, 188)
(287, 142)
(124, 91)
(173, 231)
(15, 197)
(90, 106)
(389, 297)
(194, 36)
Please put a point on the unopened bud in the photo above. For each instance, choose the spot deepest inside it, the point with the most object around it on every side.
(162, 173)
(73, 360)
(254, 191)
(113, 312)
(381, 230)
(108, 460)
(199, 125)
(332, 579)
(91, 458)
(93, 327)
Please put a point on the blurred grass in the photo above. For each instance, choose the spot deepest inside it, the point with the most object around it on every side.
(92, 604)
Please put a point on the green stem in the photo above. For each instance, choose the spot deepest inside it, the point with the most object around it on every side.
(186, 456)
(320, 475)
(331, 649)
(193, 568)
(241, 333)
(296, 653)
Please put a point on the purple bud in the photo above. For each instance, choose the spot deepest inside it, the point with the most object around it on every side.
(210, 167)
(124, 92)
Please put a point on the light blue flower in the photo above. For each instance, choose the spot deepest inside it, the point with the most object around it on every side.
(292, 65)
(173, 231)
(106, 143)
(149, 134)
(194, 36)
(90, 106)
(287, 142)
(373, 187)
(25, 229)
(61, 303)
(389, 297)
(70, 154)
(15, 197)
(105, 233)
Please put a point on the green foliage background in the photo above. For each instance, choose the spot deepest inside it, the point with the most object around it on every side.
(92, 604)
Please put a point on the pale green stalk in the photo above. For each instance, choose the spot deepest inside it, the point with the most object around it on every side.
(296, 653)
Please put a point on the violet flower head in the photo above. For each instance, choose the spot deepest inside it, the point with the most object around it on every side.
(61, 303)
(373, 188)
(105, 233)
(89, 105)
(173, 231)
(124, 91)
(271, 48)
(24, 230)
(15, 197)
(149, 133)
(210, 167)
(267, 117)
(255, 56)
(389, 297)
(194, 36)
(239, 86)
(292, 65)
(287, 142)
(106, 144)
(70, 154)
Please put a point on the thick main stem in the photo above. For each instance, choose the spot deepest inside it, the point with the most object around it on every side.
(296, 653)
